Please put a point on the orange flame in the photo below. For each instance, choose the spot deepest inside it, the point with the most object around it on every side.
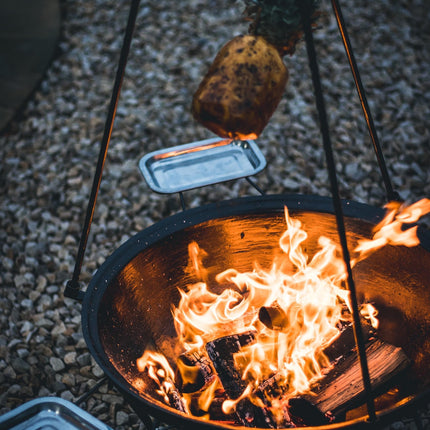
(391, 231)
(305, 298)
(159, 370)
(370, 313)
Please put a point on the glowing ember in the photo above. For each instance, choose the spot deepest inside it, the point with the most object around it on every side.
(291, 313)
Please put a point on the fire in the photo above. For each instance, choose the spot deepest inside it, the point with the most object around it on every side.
(391, 230)
(159, 370)
(291, 311)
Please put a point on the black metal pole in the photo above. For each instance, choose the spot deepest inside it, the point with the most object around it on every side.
(358, 333)
(391, 194)
(91, 391)
(73, 289)
(182, 199)
(255, 185)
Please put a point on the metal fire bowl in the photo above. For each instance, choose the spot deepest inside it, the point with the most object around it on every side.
(128, 303)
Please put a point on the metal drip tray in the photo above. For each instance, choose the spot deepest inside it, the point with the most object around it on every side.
(50, 413)
(201, 163)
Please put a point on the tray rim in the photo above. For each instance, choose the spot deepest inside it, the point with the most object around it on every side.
(188, 148)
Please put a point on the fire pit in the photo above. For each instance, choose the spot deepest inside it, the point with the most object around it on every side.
(128, 304)
(127, 308)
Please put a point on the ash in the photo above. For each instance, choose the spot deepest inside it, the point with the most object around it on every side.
(49, 152)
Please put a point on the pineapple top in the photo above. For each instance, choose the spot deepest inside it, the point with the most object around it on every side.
(278, 21)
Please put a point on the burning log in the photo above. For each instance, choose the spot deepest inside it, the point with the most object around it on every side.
(272, 388)
(274, 317)
(214, 409)
(345, 343)
(275, 388)
(162, 377)
(221, 353)
(342, 387)
(303, 413)
(176, 400)
(251, 415)
(194, 372)
(166, 389)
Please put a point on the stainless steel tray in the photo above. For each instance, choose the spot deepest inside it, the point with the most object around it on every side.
(50, 413)
(201, 163)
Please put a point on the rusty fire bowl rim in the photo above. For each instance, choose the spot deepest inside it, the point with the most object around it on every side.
(180, 221)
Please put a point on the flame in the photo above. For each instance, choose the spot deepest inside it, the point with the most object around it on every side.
(159, 370)
(370, 313)
(302, 298)
(391, 230)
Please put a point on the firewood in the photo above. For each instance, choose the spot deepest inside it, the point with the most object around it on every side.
(167, 391)
(251, 415)
(345, 343)
(342, 387)
(200, 372)
(176, 400)
(215, 408)
(303, 413)
(157, 380)
(221, 353)
(274, 317)
(275, 388)
(272, 388)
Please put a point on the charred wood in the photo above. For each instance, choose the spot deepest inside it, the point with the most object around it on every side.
(303, 413)
(274, 317)
(221, 352)
(176, 400)
(272, 388)
(345, 342)
(194, 372)
(215, 408)
(342, 388)
(251, 415)
(165, 387)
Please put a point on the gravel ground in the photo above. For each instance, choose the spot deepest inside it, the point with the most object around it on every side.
(48, 157)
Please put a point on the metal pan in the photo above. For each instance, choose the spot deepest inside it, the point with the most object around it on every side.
(50, 413)
(200, 163)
